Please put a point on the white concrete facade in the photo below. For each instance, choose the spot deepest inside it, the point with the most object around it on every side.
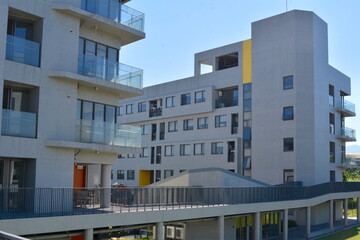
(274, 110)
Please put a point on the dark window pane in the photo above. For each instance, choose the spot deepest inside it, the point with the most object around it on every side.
(288, 113)
(288, 144)
(288, 82)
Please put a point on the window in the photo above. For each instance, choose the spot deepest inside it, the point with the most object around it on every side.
(288, 82)
(332, 123)
(332, 176)
(288, 175)
(217, 148)
(170, 102)
(129, 109)
(247, 134)
(184, 149)
(288, 144)
(172, 126)
(199, 96)
(121, 156)
(162, 131)
(112, 174)
(220, 121)
(120, 111)
(130, 174)
(145, 129)
(157, 175)
(158, 154)
(332, 152)
(227, 61)
(153, 132)
(131, 155)
(247, 144)
(168, 173)
(169, 150)
(120, 174)
(188, 124)
(202, 123)
(331, 95)
(142, 107)
(96, 111)
(144, 152)
(288, 113)
(199, 148)
(185, 99)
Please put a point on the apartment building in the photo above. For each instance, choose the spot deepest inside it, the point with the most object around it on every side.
(61, 80)
(270, 108)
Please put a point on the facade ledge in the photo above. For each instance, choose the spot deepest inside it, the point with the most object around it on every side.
(91, 146)
(122, 90)
(346, 138)
(125, 33)
(346, 112)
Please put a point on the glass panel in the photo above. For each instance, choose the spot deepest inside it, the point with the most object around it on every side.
(110, 114)
(81, 46)
(103, 8)
(16, 173)
(1, 173)
(99, 112)
(112, 54)
(90, 48)
(22, 51)
(24, 30)
(78, 109)
(18, 124)
(87, 110)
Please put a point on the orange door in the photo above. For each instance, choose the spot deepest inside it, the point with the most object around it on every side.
(80, 237)
(79, 176)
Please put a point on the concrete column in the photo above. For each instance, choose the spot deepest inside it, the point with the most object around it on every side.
(285, 224)
(105, 193)
(308, 222)
(358, 210)
(221, 230)
(257, 227)
(89, 233)
(346, 201)
(331, 214)
(159, 231)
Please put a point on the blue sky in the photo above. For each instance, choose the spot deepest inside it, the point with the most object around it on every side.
(176, 30)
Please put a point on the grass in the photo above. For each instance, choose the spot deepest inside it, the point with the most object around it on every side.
(352, 212)
(348, 234)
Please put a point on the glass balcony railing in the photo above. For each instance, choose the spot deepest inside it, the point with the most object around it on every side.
(89, 131)
(348, 133)
(226, 102)
(113, 10)
(22, 51)
(347, 106)
(99, 67)
(18, 124)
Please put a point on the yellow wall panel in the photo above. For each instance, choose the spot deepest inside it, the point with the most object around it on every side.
(247, 68)
(144, 177)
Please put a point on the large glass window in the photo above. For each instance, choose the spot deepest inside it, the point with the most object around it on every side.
(288, 144)
(185, 99)
(288, 82)
(184, 149)
(288, 113)
(142, 107)
(217, 148)
(220, 121)
(199, 148)
(202, 123)
(96, 111)
(188, 124)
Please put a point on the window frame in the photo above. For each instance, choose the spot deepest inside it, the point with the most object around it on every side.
(218, 122)
(129, 107)
(206, 125)
(172, 102)
(130, 175)
(118, 173)
(215, 148)
(142, 106)
(185, 99)
(202, 99)
(202, 148)
(286, 115)
(288, 148)
(171, 147)
(286, 85)
(175, 126)
(183, 148)
(186, 124)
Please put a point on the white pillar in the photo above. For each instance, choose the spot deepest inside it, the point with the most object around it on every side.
(105, 193)
(89, 234)
(346, 211)
(308, 222)
(159, 231)
(358, 210)
(331, 215)
(221, 230)
(257, 226)
(285, 224)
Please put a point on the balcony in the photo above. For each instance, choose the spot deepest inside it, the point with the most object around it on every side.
(346, 108)
(226, 102)
(18, 124)
(22, 51)
(115, 11)
(110, 16)
(89, 131)
(347, 134)
(348, 162)
(102, 68)
(155, 112)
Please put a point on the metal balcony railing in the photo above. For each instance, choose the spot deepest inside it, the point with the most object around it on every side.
(89, 131)
(22, 51)
(226, 102)
(47, 202)
(113, 10)
(102, 68)
(155, 112)
(18, 124)
(348, 133)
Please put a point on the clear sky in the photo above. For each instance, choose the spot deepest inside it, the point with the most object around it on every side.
(176, 30)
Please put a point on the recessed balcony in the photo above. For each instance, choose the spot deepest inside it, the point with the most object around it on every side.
(347, 134)
(226, 102)
(22, 51)
(89, 131)
(18, 124)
